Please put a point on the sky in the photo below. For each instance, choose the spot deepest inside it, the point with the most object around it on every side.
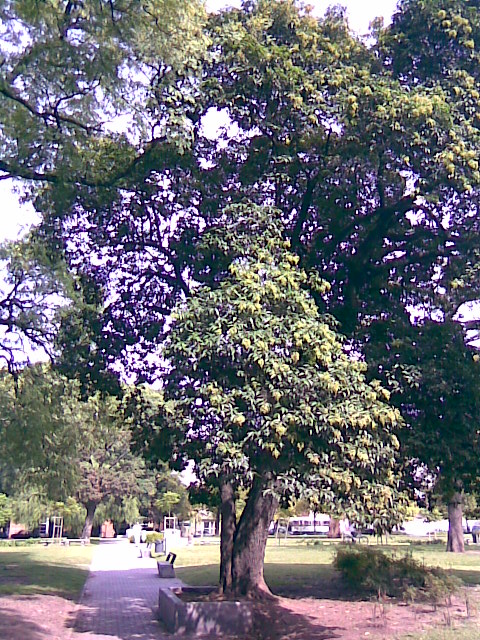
(360, 12)
(16, 219)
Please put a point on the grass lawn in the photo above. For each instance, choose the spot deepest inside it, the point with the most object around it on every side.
(303, 567)
(465, 633)
(36, 569)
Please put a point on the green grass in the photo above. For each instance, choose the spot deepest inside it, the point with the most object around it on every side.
(36, 569)
(463, 633)
(303, 567)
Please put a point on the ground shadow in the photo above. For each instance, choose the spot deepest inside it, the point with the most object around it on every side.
(274, 621)
(15, 625)
(298, 581)
(25, 575)
(468, 575)
(124, 604)
(121, 604)
(289, 580)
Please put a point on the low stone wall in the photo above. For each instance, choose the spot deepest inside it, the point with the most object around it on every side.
(165, 569)
(202, 618)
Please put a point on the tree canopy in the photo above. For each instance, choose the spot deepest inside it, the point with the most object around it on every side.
(367, 150)
(66, 447)
(261, 395)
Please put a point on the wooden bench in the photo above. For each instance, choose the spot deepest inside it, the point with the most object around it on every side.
(68, 541)
(65, 542)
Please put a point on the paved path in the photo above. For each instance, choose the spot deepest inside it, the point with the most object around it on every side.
(120, 597)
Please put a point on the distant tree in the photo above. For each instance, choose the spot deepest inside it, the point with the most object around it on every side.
(170, 496)
(66, 446)
(5, 510)
(435, 380)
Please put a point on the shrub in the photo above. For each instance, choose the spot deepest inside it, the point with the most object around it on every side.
(21, 542)
(373, 571)
(152, 536)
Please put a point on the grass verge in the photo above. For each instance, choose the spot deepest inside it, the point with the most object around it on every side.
(461, 633)
(52, 570)
(300, 567)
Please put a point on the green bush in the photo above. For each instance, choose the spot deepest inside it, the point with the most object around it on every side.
(154, 535)
(20, 542)
(373, 571)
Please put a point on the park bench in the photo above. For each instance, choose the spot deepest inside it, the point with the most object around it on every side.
(165, 567)
(65, 542)
(354, 537)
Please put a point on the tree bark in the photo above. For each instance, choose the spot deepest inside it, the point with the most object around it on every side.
(87, 527)
(334, 528)
(251, 540)
(228, 526)
(455, 541)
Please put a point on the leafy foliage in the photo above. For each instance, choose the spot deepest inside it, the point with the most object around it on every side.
(33, 288)
(5, 510)
(376, 572)
(259, 383)
(69, 69)
(64, 446)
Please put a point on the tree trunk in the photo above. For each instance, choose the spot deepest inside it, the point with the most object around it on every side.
(334, 528)
(87, 527)
(251, 540)
(455, 541)
(228, 526)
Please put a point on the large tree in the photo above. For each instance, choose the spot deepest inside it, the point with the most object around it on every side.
(70, 69)
(261, 395)
(360, 161)
(33, 288)
(369, 153)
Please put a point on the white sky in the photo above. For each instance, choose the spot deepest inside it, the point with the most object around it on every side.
(360, 12)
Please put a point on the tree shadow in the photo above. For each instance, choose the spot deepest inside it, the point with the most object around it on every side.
(124, 604)
(274, 621)
(287, 580)
(120, 603)
(307, 581)
(469, 576)
(28, 576)
(15, 625)
(44, 579)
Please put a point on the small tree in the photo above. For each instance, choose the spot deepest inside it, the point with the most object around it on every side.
(66, 446)
(5, 510)
(262, 396)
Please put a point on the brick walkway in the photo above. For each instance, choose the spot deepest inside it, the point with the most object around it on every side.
(120, 596)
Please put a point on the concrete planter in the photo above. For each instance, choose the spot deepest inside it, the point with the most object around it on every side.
(202, 618)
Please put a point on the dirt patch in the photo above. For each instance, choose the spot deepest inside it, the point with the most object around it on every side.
(201, 597)
(51, 618)
(39, 618)
(34, 617)
(321, 619)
